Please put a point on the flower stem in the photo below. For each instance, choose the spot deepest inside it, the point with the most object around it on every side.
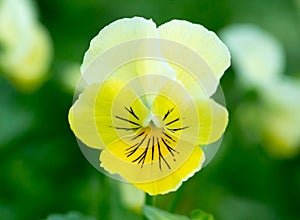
(176, 200)
(149, 200)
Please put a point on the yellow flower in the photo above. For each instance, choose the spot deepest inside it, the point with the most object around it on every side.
(147, 103)
(26, 44)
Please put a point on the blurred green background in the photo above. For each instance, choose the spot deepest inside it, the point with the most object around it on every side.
(42, 170)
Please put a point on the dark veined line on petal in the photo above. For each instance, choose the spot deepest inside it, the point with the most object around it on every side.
(132, 113)
(168, 136)
(171, 122)
(136, 146)
(153, 144)
(168, 112)
(131, 148)
(142, 157)
(124, 119)
(140, 134)
(177, 129)
(167, 141)
(126, 129)
(160, 156)
(170, 149)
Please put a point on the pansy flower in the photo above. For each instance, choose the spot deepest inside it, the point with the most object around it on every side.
(147, 103)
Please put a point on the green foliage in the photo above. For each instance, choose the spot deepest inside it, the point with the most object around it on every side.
(201, 215)
(153, 213)
(69, 216)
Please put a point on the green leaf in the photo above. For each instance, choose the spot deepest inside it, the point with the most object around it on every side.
(153, 213)
(198, 214)
(69, 216)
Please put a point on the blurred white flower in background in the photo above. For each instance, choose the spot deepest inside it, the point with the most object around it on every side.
(281, 118)
(259, 62)
(26, 48)
(258, 56)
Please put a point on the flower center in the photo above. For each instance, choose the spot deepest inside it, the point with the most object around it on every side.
(152, 139)
(154, 122)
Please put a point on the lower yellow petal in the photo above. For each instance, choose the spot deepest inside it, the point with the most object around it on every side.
(151, 161)
(174, 180)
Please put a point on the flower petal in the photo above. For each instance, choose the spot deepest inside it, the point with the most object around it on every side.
(139, 168)
(194, 86)
(82, 117)
(178, 111)
(174, 180)
(116, 33)
(102, 113)
(196, 37)
(126, 48)
(203, 120)
(119, 112)
(213, 121)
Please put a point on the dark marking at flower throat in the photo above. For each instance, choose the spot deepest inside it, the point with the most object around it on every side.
(152, 144)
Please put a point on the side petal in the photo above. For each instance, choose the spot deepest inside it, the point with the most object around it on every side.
(204, 42)
(118, 32)
(178, 112)
(105, 112)
(118, 111)
(82, 118)
(196, 121)
(213, 121)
